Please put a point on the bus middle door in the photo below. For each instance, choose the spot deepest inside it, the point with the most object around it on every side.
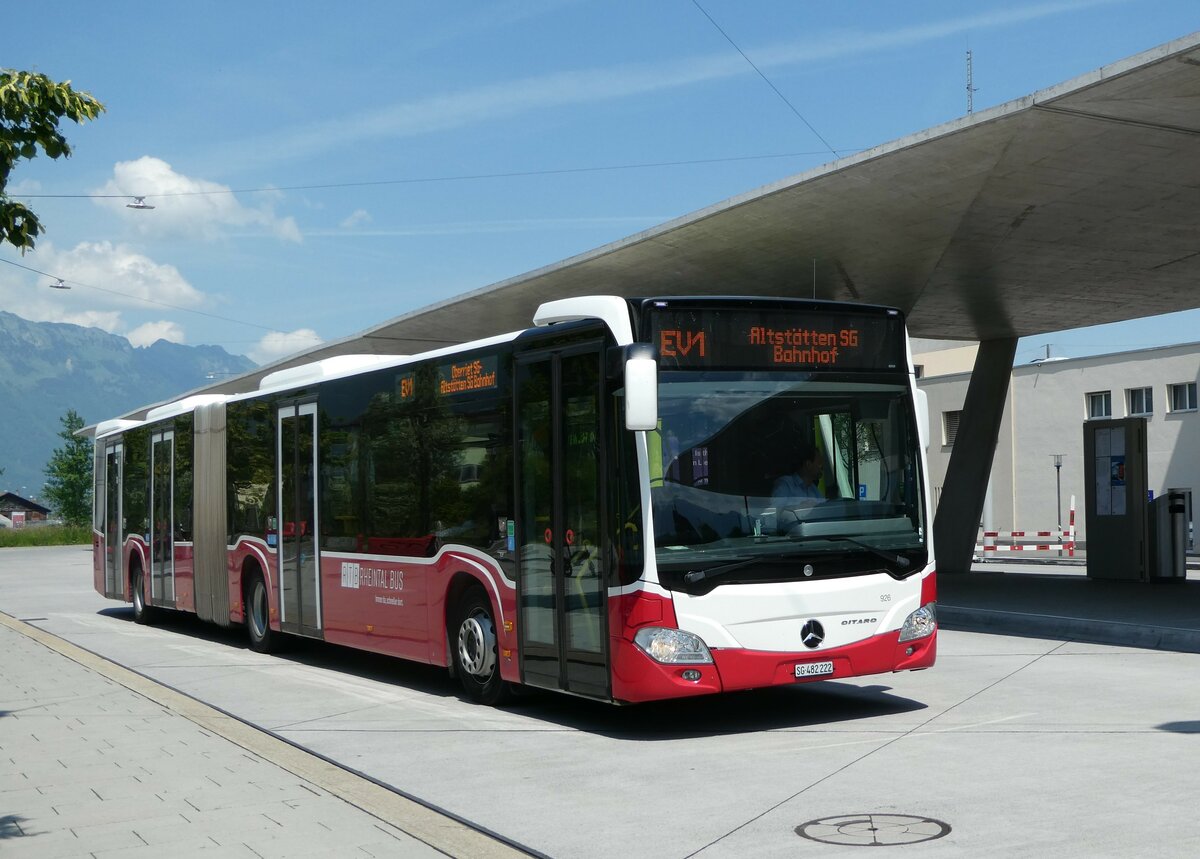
(561, 590)
(296, 494)
(162, 518)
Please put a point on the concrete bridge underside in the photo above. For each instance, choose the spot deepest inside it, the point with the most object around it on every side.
(1076, 205)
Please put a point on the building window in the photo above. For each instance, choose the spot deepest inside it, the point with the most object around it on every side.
(1140, 401)
(1182, 397)
(950, 427)
(1099, 404)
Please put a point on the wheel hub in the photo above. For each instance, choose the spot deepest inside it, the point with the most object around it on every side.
(477, 645)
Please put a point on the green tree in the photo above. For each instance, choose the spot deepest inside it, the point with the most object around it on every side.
(31, 106)
(69, 473)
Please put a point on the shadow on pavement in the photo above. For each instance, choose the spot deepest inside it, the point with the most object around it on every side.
(804, 705)
(1160, 615)
(1192, 727)
(428, 679)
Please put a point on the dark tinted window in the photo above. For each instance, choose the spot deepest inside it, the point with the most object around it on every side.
(183, 477)
(250, 459)
(137, 482)
(417, 457)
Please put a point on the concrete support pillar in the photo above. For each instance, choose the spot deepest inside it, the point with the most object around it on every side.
(963, 492)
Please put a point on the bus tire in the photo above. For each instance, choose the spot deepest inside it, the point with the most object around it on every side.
(142, 613)
(474, 646)
(263, 639)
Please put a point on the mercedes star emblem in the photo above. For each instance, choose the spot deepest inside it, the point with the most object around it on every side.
(812, 634)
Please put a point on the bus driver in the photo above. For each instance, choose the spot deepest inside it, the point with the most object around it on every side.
(799, 487)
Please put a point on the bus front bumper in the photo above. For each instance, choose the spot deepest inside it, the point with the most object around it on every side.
(637, 677)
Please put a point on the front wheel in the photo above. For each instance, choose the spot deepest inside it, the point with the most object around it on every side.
(476, 661)
(258, 617)
(142, 613)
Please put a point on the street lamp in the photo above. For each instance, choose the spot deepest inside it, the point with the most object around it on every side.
(1058, 458)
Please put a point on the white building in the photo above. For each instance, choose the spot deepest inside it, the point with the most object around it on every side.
(1047, 404)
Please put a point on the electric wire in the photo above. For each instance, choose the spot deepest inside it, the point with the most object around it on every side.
(132, 297)
(466, 177)
(766, 79)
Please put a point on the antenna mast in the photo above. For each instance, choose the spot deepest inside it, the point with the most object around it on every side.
(970, 85)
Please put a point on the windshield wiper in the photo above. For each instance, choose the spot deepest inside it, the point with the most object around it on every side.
(693, 576)
(899, 560)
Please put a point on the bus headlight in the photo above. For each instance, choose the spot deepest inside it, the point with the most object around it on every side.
(672, 645)
(920, 624)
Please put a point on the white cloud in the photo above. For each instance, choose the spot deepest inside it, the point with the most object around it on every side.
(117, 275)
(107, 282)
(279, 345)
(24, 186)
(357, 218)
(508, 98)
(185, 206)
(152, 332)
(834, 45)
(523, 225)
(39, 309)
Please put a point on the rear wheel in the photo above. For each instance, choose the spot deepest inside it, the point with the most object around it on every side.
(142, 613)
(258, 616)
(476, 659)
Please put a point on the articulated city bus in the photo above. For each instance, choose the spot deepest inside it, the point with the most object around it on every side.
(591, 505)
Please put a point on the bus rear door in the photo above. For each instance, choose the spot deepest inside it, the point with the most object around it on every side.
(114, 580)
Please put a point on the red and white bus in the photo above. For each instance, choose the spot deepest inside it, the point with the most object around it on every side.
(589, 505)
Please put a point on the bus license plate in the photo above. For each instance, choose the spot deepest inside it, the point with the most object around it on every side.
(814, 669)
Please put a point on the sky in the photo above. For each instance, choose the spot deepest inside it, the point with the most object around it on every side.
(316, 170)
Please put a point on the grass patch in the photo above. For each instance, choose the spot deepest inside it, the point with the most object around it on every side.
(46, 535)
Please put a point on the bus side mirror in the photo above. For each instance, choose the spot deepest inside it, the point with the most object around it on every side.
(641, 387)
(922, 404)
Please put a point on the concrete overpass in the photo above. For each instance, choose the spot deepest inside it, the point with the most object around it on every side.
(1076, 205)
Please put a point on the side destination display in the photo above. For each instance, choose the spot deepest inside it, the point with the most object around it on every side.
(697, 338)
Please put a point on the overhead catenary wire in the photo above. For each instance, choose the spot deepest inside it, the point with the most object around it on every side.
(140, 200)
(417, 180)
(68, 282)
(766, 79)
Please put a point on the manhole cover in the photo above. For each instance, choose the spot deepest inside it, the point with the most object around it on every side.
(873, 830)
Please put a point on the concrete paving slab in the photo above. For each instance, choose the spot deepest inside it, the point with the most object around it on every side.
(133, 805)
(1010, 740)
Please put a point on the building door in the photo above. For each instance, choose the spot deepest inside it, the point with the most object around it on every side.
(561, 583)
(299, 567)
(162, 518)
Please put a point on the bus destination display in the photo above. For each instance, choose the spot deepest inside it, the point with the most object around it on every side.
(706, 338)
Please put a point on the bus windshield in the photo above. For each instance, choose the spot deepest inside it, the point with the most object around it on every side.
(758, 477)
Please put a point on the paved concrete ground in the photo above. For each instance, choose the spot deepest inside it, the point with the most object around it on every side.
(1059, 600)
(1010, 746)
(98, 761)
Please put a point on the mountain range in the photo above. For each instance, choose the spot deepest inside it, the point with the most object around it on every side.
(47, 368)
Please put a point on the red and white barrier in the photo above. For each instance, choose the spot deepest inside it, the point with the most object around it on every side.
(1018, 541)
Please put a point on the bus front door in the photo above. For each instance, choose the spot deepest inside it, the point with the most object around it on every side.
(296, 491)
(561, 585)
